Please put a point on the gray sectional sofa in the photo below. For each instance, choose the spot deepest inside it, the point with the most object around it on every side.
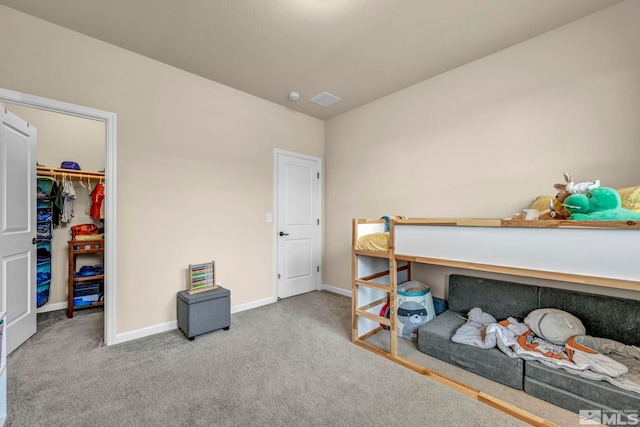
(606, 317)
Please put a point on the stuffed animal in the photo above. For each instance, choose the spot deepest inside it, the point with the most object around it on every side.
(602, 203)
(565, 190)
(549, 207)
(576, 187)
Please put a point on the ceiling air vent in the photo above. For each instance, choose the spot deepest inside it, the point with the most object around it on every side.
(325, 99)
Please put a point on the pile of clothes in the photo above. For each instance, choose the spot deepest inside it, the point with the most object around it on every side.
(90, 270)
(557, 339)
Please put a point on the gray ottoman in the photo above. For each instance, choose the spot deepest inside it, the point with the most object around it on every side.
(204, 311)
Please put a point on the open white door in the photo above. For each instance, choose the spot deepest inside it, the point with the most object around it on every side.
(18, 228)
(298, 223)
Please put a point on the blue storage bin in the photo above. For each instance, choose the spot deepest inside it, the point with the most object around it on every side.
(43, 283)
(439, 305)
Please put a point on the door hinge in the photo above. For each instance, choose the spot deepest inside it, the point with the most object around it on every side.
(318, 269)
(318, 221)
(278, 275)
(318, 175)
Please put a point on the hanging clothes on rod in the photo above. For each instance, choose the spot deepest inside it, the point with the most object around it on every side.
(69, 199)
(67, 194)
(87, 209)
(97, 197)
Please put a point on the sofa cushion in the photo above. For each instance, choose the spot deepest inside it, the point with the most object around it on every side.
(602, 316)
(559, 397)
(499, 298)
(434, 339)
(595, 391)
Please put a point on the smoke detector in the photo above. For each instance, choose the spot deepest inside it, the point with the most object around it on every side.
(294, 96)
(325, 99)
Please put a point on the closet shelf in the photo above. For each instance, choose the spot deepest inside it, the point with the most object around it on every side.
(82, 247)
(55, 172)
(88, 278)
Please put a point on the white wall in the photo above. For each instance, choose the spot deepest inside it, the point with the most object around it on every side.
(483, 140)
(195, 163)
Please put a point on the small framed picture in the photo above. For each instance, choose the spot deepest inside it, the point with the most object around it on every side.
(201, 277)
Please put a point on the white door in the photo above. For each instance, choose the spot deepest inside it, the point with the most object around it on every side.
(297, 223)
(18, 228)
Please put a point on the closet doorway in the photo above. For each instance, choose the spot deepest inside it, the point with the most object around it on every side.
(99, 155)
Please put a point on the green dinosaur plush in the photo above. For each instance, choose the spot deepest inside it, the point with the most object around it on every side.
(601, 203)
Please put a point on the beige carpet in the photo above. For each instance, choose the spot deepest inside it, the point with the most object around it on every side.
(408, 350)
(287, 364)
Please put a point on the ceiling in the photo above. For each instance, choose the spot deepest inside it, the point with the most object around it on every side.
(357, 50)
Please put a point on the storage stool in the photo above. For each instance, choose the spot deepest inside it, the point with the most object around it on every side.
(204, 311)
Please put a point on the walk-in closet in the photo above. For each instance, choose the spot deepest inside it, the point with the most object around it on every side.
(70, 207)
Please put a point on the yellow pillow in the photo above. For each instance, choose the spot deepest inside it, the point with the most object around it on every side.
(630, 198)
(373, 242)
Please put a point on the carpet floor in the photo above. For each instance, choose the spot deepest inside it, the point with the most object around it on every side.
(286, 364)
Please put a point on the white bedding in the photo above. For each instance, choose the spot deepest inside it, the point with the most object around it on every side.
(590, 357)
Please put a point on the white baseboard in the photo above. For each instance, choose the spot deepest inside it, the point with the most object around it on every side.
(52, 307)
(345, 292)
(145, 332)
(169, 326)
(253, 304)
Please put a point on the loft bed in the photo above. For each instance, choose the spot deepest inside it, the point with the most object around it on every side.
(598, 253)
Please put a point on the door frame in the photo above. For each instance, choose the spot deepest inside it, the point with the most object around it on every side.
(274, 268)
(110, 121)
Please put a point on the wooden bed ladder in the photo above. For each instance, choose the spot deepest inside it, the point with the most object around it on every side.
(368, 281)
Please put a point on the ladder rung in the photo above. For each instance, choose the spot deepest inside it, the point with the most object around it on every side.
(374, 285)
(373, 317)
(375, 275)
(374, 303)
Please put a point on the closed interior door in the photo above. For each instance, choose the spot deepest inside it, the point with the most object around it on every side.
(18, 228)
(298, 224)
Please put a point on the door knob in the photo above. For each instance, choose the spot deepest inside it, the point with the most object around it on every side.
(282, 233)
(34, 240)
